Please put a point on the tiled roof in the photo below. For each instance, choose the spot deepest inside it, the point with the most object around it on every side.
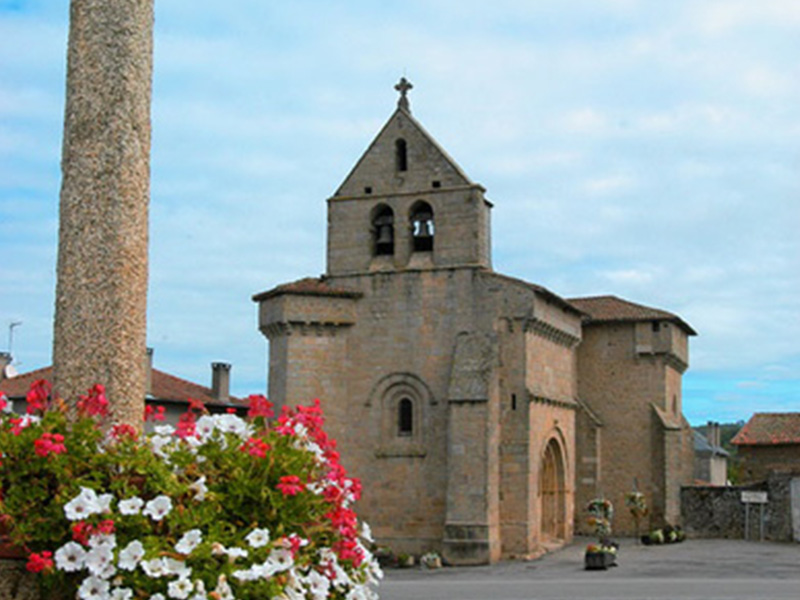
(536, 288)
(608, 309)
(310, 286)
(163, 387)
(768, 429)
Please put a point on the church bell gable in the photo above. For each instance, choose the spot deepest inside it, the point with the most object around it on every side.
(406, 204)
(402, 158)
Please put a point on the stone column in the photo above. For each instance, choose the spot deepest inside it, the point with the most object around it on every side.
(472, 520)
(101, 293)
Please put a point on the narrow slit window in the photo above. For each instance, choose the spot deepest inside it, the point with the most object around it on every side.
(405, 417)
(401, 155)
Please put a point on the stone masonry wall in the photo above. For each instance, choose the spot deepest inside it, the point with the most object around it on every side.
(759, 461)
(718, 512)
(16, 583)
(620, 387)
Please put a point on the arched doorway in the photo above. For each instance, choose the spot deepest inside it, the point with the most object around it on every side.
(553, 493)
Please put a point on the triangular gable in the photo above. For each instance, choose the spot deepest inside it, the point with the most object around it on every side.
(428, 165)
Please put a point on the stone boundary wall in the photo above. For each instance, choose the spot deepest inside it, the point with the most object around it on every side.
(15, 582)
(718, 512)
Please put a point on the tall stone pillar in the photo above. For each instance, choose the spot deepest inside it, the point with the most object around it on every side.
(101, 293)
(472, 520)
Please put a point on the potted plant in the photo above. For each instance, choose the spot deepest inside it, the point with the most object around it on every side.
(431, 560)
(603, 554)
(637, 505)
(216, 507)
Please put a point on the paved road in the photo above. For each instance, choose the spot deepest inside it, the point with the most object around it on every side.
(694, 570)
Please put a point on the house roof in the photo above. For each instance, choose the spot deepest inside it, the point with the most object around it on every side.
(309, 286)
(703, 446)
(611, 309)
(769, 429)
(164, 387)
(552, 296)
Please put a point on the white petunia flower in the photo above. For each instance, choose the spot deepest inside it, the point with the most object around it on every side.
(232, 424)
(81, 506)
(158, 596)
(318, 585)
(283, 558)
(93, 588)
(294, 589)
(315, 488)
(103, 539)
(200, 591)
(258, 538)
(104, 500)
(165, 430)
(153, 568)
(70, 557)
(121, 594)
(360, 592)
(279, 560)
(189, 541)
(180, 588)
(234, 553)
(204, 427)
(158, 508)
(98, 560)
(199, 488)
(158, 443)
(177, 568)
(131, 506)
(329, 560)
(131, 555)
(253, 573)
(223, 590)
(366, 532)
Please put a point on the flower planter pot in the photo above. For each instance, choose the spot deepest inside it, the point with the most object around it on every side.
(596, 561)
(7, 549)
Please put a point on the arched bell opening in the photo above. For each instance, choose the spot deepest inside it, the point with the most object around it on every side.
(422, 227)
(382, 231)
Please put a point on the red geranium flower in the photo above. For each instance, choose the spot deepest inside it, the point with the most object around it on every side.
(290, 485)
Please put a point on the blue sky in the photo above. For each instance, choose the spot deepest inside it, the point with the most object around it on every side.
(645, 149)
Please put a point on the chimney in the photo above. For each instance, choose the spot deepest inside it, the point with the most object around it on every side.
(221, 381)
(713, 434)
(5, 360)
(148, 370)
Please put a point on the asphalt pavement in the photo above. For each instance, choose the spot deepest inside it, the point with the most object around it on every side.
(692, 570)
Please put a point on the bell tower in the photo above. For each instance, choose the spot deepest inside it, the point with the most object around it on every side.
(406, 205)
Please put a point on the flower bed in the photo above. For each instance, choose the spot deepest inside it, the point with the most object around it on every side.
(217, 507)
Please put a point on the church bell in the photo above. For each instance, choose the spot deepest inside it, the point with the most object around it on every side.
(385, 234)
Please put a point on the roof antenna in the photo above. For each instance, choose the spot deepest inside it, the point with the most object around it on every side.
(11, 327)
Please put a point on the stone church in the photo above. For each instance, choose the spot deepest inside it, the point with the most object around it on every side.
(481, 411)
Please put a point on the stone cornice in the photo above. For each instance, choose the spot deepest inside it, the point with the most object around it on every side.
(399, 194)
(568, 403)
(674, 361)
(551, 333)
(670, 359)
(303, 328)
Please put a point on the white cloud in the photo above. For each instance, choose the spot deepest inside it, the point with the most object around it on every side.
(637, 148)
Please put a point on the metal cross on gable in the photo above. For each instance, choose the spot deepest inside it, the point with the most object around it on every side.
(403, 86)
